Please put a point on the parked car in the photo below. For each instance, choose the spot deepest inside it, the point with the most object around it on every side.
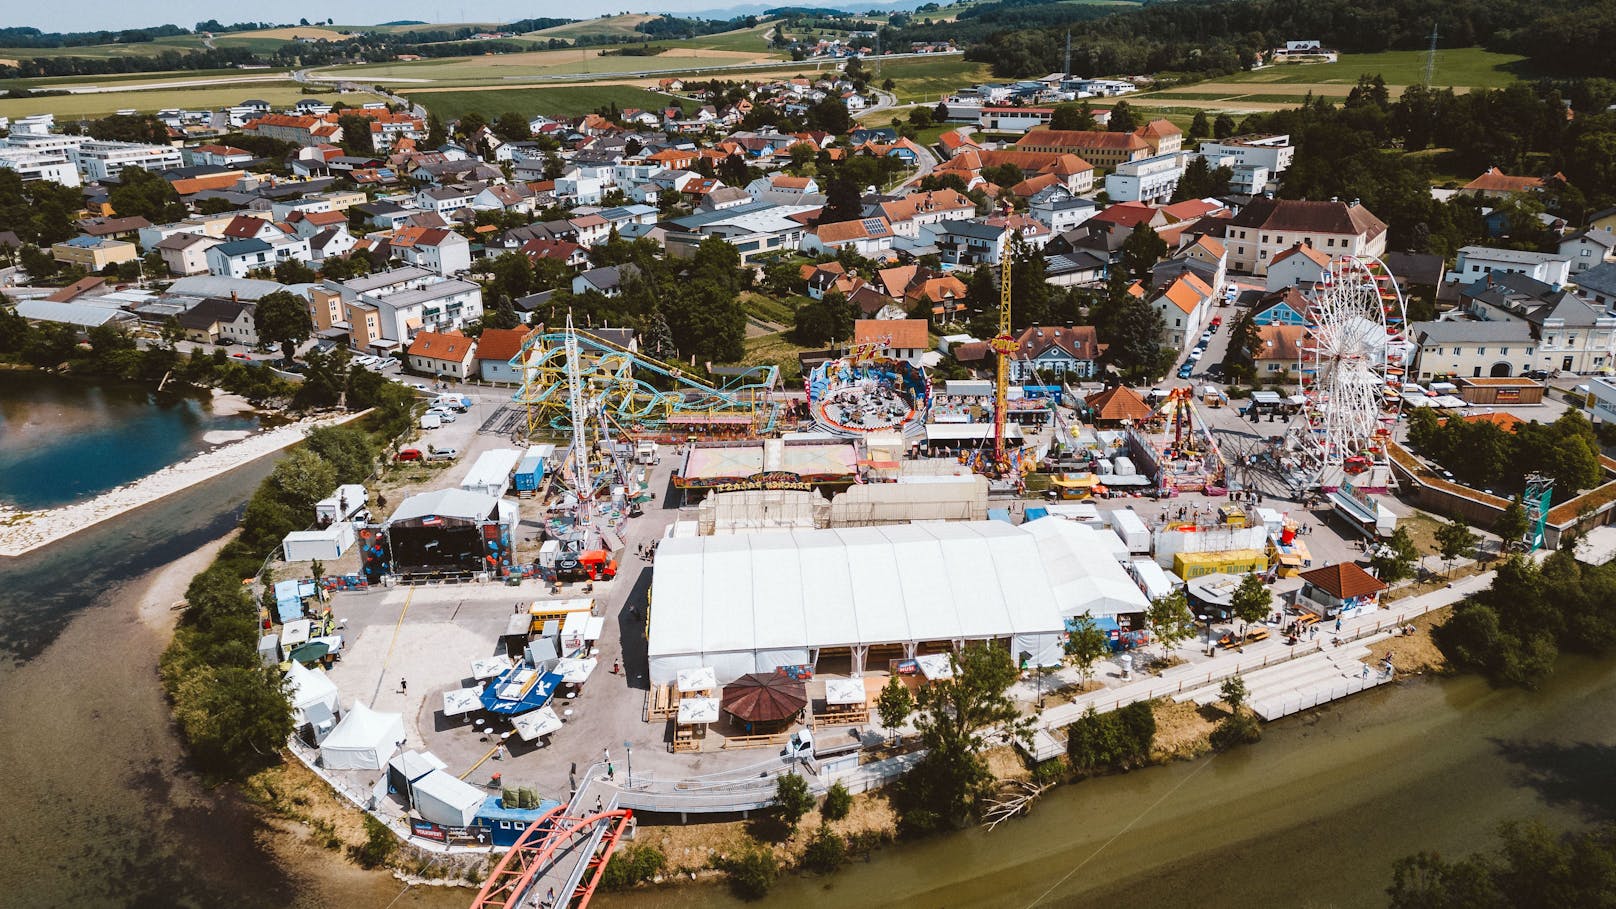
(1537, 375)
(1196, 354)
(445, 414)
(1216, 322)
(408, 454)
(1184, 371)
(1206, 336)
(442, 454)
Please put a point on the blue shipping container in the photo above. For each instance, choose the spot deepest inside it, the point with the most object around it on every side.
(528, 474)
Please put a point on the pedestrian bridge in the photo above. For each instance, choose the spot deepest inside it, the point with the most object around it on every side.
(557, 861)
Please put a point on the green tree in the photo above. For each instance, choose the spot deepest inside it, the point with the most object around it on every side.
(838, 802)
(349, 450)
(1233, 692)
(1223, 127)
(632, 865)
(1141, 251)
(1085, 645)
(140, 192)
(920, 117)
(1394, 559)
(818, 322)
(1199, 128)
(1454, 539)
(894, 705)
(1251, 600)
(1533, 866)
(1513, 524)
(291, 271)
(1072, 116)
(1170, 621)
(356, 137)
(512, 127)
(943, 788)
(752, 873)
(842, 201)
(830, 115)
(1123, 119)
(436, 135)
(1132, 330)
(792, 799)
(825, 851)
(283, 318)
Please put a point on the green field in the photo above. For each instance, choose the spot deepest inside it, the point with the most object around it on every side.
(562, 101)
(181, 43)
(506, 68)
(919, 79)
(1467, 67)
(208, 98)
(607, 26)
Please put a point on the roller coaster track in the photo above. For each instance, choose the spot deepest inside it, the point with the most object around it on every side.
(563, 853)
(616, 376)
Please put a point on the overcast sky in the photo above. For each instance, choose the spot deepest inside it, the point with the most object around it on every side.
(90, 15)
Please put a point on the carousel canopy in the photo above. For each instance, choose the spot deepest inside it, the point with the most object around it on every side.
(759, 698)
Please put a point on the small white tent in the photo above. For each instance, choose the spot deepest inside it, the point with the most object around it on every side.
(443, 798)
(307, 687)
(364, 740)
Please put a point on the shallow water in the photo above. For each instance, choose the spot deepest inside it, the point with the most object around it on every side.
(63, 440)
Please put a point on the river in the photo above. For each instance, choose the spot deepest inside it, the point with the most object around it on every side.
(1315, 815)
(62, 440)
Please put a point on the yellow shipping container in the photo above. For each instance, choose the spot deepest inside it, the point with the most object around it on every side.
(1230, 561)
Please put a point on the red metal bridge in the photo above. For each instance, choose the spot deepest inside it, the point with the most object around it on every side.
(561, 854)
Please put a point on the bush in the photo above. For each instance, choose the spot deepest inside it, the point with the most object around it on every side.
(1051, 771)
(633, 865)
(838, 802)
(379, 844)
(1119, 740)
(1238, 729)
(826, 850)
(752, 873)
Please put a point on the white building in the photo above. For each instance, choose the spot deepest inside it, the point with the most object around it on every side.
(1478, 261)
(238, 257)
(384, 311)
(54, 166)
(99, 161)
(1267, 227)
(1150, 180)
(1273, 152)
(1013, 119)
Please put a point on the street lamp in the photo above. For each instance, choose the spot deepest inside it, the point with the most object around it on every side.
(629, 748)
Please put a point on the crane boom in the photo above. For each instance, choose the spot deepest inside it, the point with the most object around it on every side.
(1004, 344)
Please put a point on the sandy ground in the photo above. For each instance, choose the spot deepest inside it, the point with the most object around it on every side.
(1414, 654)
(221, 436)
(25, 532)
(226, 404)
(1182, 730)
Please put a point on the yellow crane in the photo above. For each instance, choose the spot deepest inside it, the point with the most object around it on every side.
(1003, 344)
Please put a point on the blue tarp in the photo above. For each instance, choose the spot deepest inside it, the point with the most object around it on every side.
(537, 696)
(288, 604)
(1000, 514)
(1034, 512)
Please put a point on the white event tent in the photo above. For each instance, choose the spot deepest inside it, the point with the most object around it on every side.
(307, 687)
(753, 602)
(364, 740)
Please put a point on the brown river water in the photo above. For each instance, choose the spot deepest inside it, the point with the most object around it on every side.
(100, 811)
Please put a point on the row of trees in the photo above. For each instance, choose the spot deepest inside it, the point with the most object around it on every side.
(1513, 631)
(1481, 453)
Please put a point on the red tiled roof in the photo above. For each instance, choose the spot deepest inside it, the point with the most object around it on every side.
(1119, 403)
(501, 344)
(441, 346)
(1344, 580)
(903, 333)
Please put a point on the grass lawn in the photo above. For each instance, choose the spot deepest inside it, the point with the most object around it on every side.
(208, 97)
(775, 349)
(769, 309)
(562, 101)
(1468, 67)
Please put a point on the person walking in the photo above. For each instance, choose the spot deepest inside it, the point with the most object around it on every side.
(404, 686)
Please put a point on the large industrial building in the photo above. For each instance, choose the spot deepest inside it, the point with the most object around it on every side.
(849, 599)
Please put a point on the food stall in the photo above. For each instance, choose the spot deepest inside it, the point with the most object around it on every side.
(691, 720)
(846, 703)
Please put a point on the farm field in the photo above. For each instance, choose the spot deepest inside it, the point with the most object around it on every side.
(560, 101)
(169, 75)
(612, 26)
(472, 71)
(1465, 67)
(179, 43)
(921, 79)
(103, 103)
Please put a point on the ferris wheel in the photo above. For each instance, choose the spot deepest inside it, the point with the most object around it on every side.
(1352, 361)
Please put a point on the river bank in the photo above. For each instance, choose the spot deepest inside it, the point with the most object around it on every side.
(23, 532)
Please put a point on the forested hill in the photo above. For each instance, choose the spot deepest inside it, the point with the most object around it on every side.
(1025, 37)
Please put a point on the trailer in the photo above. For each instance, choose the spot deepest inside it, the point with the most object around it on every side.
(1131, 528)
(529, 474)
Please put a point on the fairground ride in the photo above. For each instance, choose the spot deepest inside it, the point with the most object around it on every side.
(1352, 362)
(1002, 464)
(638, 393)
(1188, 455)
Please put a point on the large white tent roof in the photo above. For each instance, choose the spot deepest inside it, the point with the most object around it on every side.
(751, 602)
(364, 740)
